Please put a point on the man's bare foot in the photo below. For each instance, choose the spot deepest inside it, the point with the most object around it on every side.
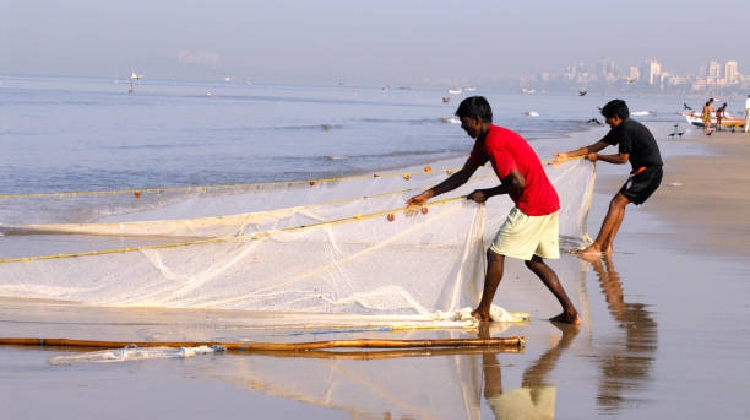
(590, 251)
(482, 316)
(591, 258)
(566, 318)
(568, 330)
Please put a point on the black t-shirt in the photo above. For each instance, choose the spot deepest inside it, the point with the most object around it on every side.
(636, 140)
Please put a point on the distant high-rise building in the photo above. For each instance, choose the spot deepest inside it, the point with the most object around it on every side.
(569, 73)
(651, 72)
(731, 72)
(633, 75)
(606, 70)
(714, 69)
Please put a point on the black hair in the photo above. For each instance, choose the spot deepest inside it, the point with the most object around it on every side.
(616, 107)
(475, 106)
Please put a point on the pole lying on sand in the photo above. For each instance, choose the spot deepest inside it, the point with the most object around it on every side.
(514, 341)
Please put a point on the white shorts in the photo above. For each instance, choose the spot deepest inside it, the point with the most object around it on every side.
(523, 236)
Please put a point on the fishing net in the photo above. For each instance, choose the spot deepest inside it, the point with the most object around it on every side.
(324, 246)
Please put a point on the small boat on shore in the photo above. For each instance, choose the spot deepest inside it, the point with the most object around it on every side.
(727, 121)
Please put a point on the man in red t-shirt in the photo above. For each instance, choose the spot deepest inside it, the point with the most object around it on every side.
(531, 230)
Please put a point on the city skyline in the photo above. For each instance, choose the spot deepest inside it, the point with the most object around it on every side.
(652, 73)
(360, 43)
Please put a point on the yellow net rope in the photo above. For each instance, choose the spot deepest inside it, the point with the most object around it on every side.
(338, 245)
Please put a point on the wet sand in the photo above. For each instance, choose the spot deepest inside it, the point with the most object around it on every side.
(683, 257)
(710, 195)
(664, 334)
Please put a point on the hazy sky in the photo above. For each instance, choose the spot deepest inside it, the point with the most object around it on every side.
(364, 42)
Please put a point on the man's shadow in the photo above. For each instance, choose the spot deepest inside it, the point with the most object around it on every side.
(536, 397)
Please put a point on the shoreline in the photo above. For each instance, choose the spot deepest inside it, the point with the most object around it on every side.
(705, 199)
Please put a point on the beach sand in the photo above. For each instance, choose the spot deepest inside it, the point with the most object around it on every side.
(707, 198)
(665, 334)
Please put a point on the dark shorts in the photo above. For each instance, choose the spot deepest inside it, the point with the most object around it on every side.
(639, 187)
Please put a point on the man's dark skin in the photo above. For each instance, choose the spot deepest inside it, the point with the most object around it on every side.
(616, 213)
(477, 129)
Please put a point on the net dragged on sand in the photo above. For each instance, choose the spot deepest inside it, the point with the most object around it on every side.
(328, 246)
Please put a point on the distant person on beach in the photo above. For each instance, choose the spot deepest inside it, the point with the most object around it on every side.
(637, 146)
(531, 230)
(706, 114)
(720, 115)
(747, 114)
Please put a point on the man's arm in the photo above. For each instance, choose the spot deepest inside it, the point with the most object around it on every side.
(451, 183)
(514, 181)
(617, 159)
(583, 151)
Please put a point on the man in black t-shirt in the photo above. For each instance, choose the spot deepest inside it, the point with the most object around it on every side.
(637, 146)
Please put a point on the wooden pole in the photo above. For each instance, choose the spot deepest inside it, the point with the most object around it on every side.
(515, 341)
(366, 355)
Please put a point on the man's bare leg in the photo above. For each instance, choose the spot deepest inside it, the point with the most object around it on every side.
(603, 244)
(620, 203)
(550, 279)
(495, 267)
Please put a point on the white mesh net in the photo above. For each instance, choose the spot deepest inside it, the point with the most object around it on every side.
(334, 246)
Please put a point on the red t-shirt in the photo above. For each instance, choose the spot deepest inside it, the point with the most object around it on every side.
(506, 151)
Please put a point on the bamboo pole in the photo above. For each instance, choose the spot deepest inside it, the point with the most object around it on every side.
(367, 355)
(514, 341)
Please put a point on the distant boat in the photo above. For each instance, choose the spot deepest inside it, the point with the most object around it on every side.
(532, 114)
(582, 92)
(455, 91)
(695, 119)
(451, 120)
(135, 76)
(528, 91)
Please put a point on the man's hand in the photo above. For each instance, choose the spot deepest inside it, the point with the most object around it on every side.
(477, 196)
(559, 158)
(592, 157)
(414, 204)
(420, 199)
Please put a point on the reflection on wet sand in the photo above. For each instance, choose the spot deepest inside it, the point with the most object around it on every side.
(420, 383)
(535, 399)
(626, 361)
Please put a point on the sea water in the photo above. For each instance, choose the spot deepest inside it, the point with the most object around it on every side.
(63, 134)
